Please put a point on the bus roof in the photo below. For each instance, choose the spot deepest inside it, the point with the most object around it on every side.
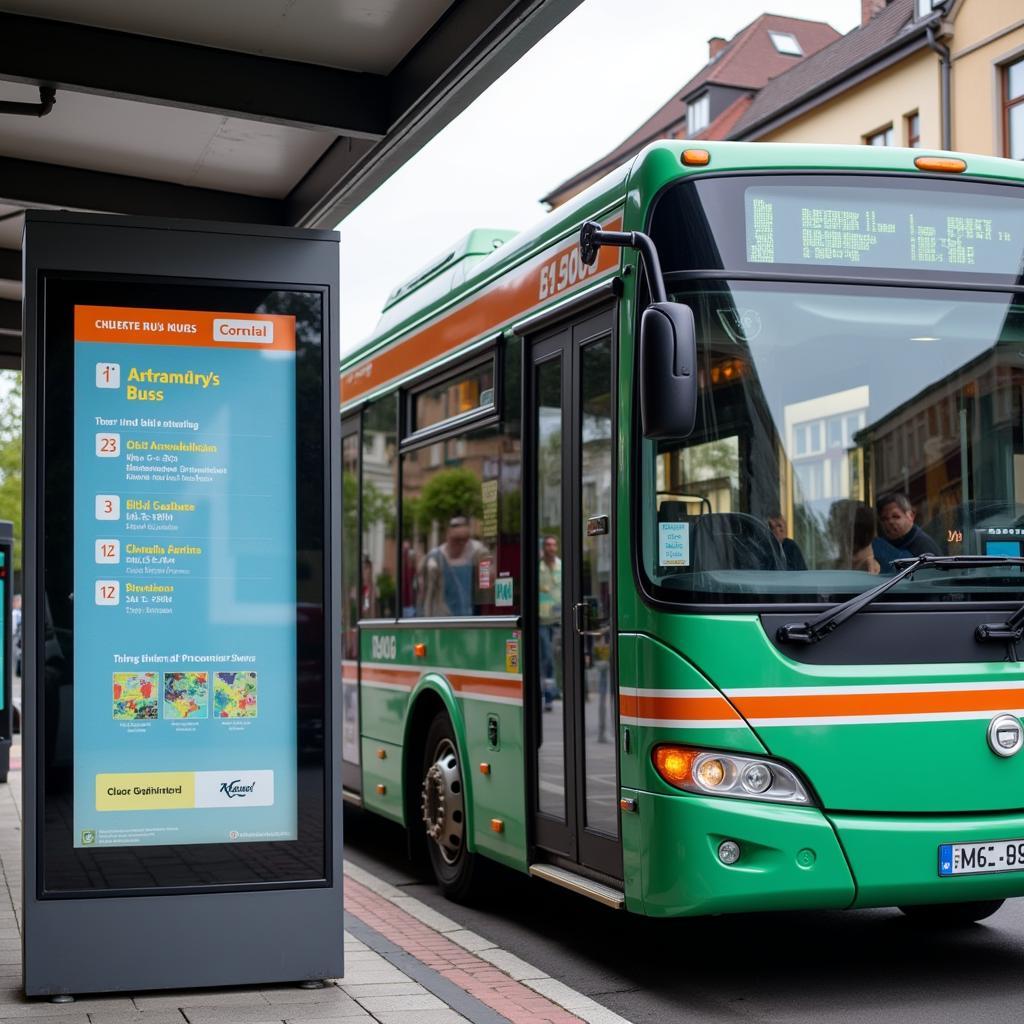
(480, 257)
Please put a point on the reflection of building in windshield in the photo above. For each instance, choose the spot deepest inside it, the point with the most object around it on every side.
(956, 449)
(819, 433)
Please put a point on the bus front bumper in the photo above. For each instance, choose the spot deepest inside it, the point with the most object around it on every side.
(789, 856)
(895, 858)
(794, 858)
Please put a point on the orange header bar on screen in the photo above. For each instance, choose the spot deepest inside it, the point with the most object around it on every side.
(131, 325)
(552, 274)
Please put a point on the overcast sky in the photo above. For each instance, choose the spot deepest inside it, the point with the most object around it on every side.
(556, 111)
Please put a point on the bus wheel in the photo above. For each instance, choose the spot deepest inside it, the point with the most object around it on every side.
(443, 810)
(952, 915)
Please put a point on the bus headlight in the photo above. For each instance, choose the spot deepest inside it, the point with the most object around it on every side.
(736, 775)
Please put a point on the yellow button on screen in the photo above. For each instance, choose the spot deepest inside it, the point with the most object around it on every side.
(145, 791)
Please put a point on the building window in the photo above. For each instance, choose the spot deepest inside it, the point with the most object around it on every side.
(698, 114)
(914, 130)
(786, 42)
(925, 8)
(880, 138)
(1013, 110)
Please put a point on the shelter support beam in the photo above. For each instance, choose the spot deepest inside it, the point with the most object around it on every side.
(40, 51)
(31, 183)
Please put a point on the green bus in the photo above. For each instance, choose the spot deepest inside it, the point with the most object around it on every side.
(683, 538)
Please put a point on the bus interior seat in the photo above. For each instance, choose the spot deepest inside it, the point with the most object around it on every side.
(734, 540)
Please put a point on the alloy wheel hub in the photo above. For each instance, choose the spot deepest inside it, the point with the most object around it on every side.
(441, 802)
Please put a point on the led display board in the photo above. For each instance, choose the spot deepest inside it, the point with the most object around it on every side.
(879, 227)
(179, 653)
(184, 498)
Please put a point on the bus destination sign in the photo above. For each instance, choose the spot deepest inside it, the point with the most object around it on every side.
(885, 228)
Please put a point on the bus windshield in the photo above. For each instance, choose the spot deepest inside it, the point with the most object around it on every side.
(841, 427)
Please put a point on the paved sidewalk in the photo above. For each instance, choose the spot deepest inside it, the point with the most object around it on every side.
(405, 964)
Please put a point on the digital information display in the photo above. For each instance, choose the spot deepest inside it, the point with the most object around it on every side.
(184, 577)
(885, 228)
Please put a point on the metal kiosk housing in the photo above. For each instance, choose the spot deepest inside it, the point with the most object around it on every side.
(185, 936)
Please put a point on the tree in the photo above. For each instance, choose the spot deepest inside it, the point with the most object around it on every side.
(11, 461)
(451, 492)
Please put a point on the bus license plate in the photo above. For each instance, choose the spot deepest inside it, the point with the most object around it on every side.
(981, 858)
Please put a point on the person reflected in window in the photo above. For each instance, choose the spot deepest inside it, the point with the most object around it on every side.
(367, 592)
(790, 549)
(449, 572)
(852, 530)
(900, 536)
(549, 600)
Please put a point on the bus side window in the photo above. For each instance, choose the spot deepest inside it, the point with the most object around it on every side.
(378, 500)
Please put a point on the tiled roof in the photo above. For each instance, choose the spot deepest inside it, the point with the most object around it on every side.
(747, 61)
(831, 64)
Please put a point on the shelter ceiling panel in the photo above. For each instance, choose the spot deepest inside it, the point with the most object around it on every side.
(359, 35)
(186, 147)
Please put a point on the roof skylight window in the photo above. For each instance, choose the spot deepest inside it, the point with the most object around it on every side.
(786, 42)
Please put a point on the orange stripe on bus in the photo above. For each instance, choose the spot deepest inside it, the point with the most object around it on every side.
(709, 708)
(396, 676)
(514, 295)
(484, 686)
(867, 704)
(461, 682)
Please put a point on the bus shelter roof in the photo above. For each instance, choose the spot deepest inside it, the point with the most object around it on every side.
(286, 112)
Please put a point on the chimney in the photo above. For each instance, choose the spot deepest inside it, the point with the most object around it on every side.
(869, 8)
(716, 44)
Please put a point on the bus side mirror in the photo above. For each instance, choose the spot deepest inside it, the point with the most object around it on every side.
(668, 370)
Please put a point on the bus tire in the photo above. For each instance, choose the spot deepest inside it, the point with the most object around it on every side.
(952, 915)
(443, 812)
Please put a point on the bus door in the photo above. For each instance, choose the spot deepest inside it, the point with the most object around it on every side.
(351, 774)
(571, 688)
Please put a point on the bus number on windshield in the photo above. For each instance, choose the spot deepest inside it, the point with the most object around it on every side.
(563, 272)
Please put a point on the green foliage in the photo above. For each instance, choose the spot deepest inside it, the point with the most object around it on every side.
(451, 492)
(11, 460)
(377, 508)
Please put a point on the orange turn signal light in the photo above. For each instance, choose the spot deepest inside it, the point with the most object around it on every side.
(696, 157)
(497, 825)
(419, 650)
(485, 768)
(674, 764)
(946, 164)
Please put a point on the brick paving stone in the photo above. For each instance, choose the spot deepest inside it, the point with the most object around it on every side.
(239, 1014)
(358, 1017)
(136, 1017)
(446, 1016)
(64, 1018)
(198, 998)
(421, 1001)
(328, 995)
(396, 988)
(23, 1008)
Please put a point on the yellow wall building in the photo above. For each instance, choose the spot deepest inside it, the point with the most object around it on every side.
(883, 83)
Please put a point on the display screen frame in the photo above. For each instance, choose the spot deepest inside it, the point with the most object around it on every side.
(62, 870)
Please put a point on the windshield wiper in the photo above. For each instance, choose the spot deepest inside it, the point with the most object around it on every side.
(1009, 632)
(820, 626)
